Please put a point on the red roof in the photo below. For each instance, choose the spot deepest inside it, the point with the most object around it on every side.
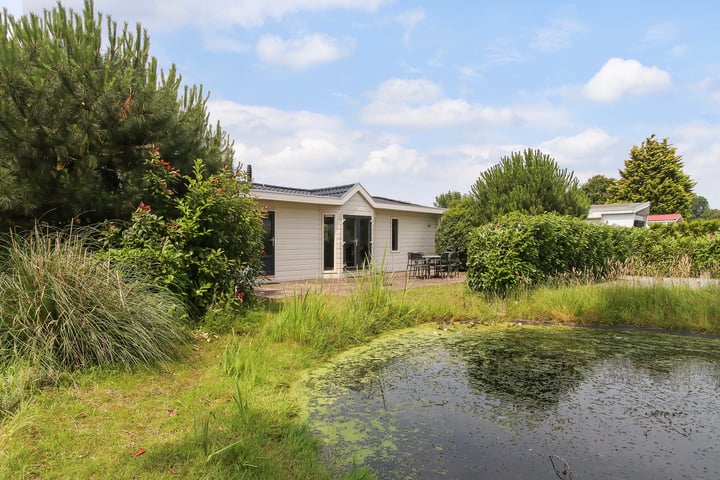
(664, 217)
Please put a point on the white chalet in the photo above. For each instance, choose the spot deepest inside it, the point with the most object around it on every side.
(620, 214)
(330, 232)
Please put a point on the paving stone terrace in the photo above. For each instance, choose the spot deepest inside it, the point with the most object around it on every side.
(344, 286)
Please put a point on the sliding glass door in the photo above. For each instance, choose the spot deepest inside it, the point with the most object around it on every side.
(357, 241)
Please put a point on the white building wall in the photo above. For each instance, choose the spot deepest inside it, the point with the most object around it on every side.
(299, 236)
(416, 233)
(298, 241)
(357, 205)
(619, 219)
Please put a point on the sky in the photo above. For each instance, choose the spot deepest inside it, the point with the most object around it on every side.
(417, 98)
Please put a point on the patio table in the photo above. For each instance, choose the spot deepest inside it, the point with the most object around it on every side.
(429, 261)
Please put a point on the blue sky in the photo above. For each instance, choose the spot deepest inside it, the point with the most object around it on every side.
(415, 98)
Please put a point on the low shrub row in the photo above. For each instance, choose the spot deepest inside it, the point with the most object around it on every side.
(520, 250)
(525, 250)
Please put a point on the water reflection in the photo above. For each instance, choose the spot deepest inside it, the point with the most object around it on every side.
(499, 402)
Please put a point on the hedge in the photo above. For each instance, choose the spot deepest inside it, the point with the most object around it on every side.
(520, 250)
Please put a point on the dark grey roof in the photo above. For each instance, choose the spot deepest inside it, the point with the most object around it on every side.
(333, 192)
(394, 202)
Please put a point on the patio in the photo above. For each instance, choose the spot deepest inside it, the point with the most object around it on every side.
(344, 286)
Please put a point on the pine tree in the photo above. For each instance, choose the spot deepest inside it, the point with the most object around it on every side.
(529, 182)
(80, 110)
(653, 173)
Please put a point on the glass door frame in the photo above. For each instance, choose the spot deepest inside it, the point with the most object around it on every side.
(357, 241)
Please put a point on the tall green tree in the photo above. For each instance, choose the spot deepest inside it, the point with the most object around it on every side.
(597, 188)
(699, 205)
(81, 107)
(529, 182)
(654, 174)
(446, 200)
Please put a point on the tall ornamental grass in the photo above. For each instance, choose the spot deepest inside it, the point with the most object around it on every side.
(61, 308)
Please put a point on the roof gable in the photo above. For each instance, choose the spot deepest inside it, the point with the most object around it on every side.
(598, 211)
(337, 195)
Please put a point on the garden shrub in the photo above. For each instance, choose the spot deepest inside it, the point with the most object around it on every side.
(525, 250)
(453, 232)
(63, 308)
(209, 252)
(659, 254)
(695, 228)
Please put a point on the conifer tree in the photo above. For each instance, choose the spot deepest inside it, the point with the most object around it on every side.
(81, 108)
(529, 182)
(653, 173)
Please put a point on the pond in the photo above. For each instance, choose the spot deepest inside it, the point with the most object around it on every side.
(523, 402)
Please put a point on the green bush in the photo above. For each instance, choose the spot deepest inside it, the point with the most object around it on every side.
(453, 232)
(657, 253)
(520, 250)
(209, 252)
(62, 308)
(696, 228)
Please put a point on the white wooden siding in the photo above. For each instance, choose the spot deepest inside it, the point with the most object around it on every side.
(299, 236)
(416, 233)
(618, 219)
(357, 205)
(298, 241)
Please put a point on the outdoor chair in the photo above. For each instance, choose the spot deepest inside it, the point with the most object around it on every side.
(446, 265)
(442, 265)
(453, 264)
(415, 264)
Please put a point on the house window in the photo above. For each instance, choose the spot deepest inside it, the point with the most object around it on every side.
(394, 241)
(329, 242)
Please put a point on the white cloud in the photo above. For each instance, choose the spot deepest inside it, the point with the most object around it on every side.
(463, 164)
(679, 50)
(171, 14)
(502, 52)
(221, 43)
(422, 104)
(308, 150)
(557, 36)
(592, 147)
(403, 90)
(710, 87)
(303, 52)
(659, 34)
(619, 77)
(389, 161)
(699, 145)
(409, 19)
(261, 121)
(443, 113)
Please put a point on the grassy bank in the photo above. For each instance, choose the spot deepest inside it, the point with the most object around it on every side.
(680, 308)
(228, 409)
